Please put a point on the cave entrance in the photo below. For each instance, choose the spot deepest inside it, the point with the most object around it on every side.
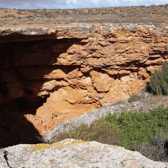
(23, 65)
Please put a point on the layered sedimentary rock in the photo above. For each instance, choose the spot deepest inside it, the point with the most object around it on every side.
(53, 74)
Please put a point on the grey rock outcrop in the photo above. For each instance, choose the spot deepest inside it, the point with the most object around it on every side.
(72, 153)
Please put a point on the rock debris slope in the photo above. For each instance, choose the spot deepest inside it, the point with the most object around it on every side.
(72, 153)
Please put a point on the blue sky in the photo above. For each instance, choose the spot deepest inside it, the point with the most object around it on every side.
(74, 4)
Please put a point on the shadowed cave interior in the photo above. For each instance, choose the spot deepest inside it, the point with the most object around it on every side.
(18, 60)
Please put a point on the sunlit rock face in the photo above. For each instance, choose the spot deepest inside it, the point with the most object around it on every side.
(62, 74)
(76, 153)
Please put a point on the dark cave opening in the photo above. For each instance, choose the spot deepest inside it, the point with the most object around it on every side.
(23, 65)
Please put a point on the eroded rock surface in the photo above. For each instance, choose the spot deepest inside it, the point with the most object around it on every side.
(72, 153)
(77, 75)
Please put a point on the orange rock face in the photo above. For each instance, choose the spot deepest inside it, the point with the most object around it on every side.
(80, 75)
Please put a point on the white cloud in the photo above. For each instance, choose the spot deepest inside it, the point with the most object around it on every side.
(73, 1)
(71, 4)
(96, 1)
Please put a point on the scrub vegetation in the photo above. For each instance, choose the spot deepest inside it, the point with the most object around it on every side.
(159, 81)
(143, 132)
(146, 132)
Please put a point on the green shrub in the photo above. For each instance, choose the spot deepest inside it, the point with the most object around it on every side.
(158, 151)
(123, 29)
(136, 128)
(134, 98)
(143, 132)
(166, 47)
(99, 131)
(165, 71)
(159, 81)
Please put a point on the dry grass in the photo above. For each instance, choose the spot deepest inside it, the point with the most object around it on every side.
(152, 14)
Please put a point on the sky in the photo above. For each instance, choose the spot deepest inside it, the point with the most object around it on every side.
(75, 4)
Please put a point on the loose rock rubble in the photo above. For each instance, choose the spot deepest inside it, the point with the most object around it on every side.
(72, 153)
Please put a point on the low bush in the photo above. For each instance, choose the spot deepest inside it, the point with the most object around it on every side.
(158, 151)
(143, 132)
(99, 131)
(134, 98)
(166, 47)
(159, 81)
(136, 128)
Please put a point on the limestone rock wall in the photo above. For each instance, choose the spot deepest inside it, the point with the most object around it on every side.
(58, 79)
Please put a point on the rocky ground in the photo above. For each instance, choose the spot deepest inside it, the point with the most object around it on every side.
(72, 153)
(155, 15)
